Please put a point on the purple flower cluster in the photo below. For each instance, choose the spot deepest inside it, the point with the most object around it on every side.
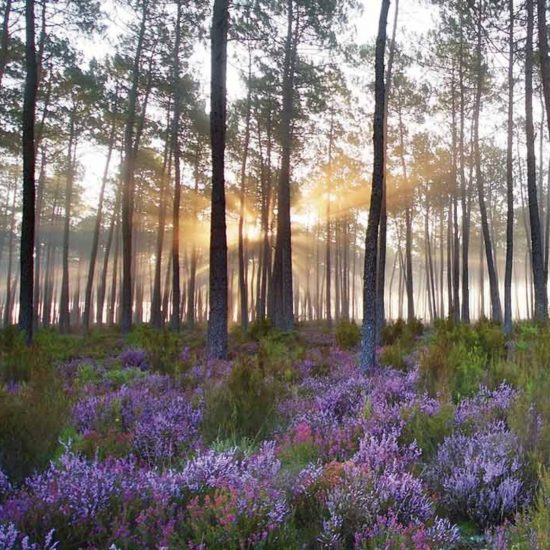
(486, 406)
(480, 475)
(117, 501)
(356, 501)
(393, 395)
(12, 539)
(162, 424)
(94, 501)
(5, 485)
(134, 358)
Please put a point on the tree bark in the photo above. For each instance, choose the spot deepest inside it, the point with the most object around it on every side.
(4, 44)
(128, 180)
(496, 309)
(29, 162)
(64, 316)
(541, 300)
(97, 229)
(217, 321)
(243, 267)
(509, 178)
(368, 357)
(544, 58)
(176, 289)
(381, 274)
(281, 288)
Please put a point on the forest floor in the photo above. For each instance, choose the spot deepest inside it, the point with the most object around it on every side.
(141, 442)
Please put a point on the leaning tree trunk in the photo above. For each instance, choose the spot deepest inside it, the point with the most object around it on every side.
(217, 320)
(541, 306)
(381, 275)
(368, 357)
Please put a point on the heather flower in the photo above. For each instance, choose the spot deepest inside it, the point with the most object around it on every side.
(382, 453)
(12, 539)
(99, 502)
(387, 533)
(134, 357)
(5, 485)
(486, 406)
(162, 424)
(480, 476)
(236, 498)
(185, 354)
(354, 499)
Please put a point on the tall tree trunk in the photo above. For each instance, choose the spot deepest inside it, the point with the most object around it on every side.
(176, 289)
(544, 58)
(128, 180)
(102, 287)
(509, 178)
(464, 198)
(408, 227)
(328, 266)
(156, 313)
(368, 358)
(454, 202)
(541, 300)
(114, 278)
(64, 316)
(9, 289)
(97, 229)
(38, 239)
(281, 288)
(4, 44)
(217, 321)
(496, 309)
(29, 162)
(381, 269)
(243, 265)
(192, 280)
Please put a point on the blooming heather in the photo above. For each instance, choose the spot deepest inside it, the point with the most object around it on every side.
(480, 476)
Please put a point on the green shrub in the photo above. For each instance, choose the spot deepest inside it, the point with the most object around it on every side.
(86, 374)
(393, 356)
(455, 361)
(428, 430)
(468, 370)
(531, 529)
(245, 406)
(435, 368)
(298, 455)
(162, 347)
(404, 333)
(122, 377)
(392, 331)
(491, 339)
(277, 353)
(31, 421)
(348, 334)
(259, 329)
